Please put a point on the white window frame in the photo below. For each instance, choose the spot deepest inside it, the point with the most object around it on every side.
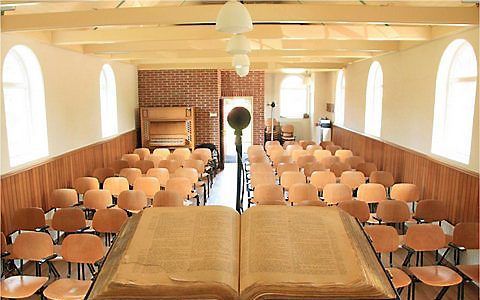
(304, 88)
(108, 102)
(340, 98)
(374, 99)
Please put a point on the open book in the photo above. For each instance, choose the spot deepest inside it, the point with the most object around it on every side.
(269, 252)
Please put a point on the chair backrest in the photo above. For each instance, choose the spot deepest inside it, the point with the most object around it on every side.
(352, 178)
(155, 159)
(276, 160)
(312, 148)
(69, 219)
(62, 198)
(33, 246)
(184, 152)
(328, 161)
(260, 167)
(29, 218)
(143, 153)
(259, 178)
(181, 185)
(289, 178)
(190, 173)
(170, 164)
(255, 149)
(343, 154)
(257, 158)
(383, 177)
(466, 235)
(83, 184)
(197, 164)
(296, 154)
(407, 192)
(431, 210)
(161, 174)
(287, 128)
(321, 178)
(97, 199)
(290, 148)
(205, 154)
(393, 211)
(371, 193)
(303, 160)
(288, 143)
(320, 154)
(162, 152)
(149, 185)
(284, 167)
(353, 161)
(334, 193)
(324, 144)
(275, 151)
(116, 185)
(131, 158)
(366, 168)
(305, 143)
(357, 209)
(300, 192)
(118, 165)
(333, 148)
(167, 198)
(385, 238)
(109, 220)
(82, 248)
(338, 168)
(144, 165)
(132, 200)
(103, 173)
(312, 203)
(268, 192)
(131, 174)
(425, 237)
(311, 167)
(271, 143)
(272, 202)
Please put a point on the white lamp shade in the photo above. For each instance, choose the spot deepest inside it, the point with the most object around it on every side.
(234, 18)
(242, 71)
(238, 44)
(240, 60)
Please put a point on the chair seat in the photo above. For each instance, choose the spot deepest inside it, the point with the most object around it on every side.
(436, 275)
(399, 278)
(16, 287)
(67, 289)
(470, 271)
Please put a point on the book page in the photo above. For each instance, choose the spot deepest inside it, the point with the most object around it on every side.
(298, 245)
(178, 246)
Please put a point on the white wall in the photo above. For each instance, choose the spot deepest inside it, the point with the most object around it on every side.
(409, 96)
(72, 97)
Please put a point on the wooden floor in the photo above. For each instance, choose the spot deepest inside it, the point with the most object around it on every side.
(224, 193)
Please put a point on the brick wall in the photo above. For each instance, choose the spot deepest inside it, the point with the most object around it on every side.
(202, 89)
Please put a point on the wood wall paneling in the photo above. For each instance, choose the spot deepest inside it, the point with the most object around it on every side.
(32, 187)
(456, 187)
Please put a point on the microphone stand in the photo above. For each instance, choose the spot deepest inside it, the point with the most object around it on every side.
(238, 146)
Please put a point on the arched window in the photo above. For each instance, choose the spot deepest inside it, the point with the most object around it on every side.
(108, 101)
(24, 100)
(293, 97)
(455, 102)
(340, 98)
(373, 109)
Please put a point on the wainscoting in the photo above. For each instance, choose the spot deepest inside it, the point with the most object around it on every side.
(33, 186)
(437, 180)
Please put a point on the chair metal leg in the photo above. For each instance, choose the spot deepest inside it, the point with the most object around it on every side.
(442, 292)
(413, 289)
(461, 290)
(409, 292)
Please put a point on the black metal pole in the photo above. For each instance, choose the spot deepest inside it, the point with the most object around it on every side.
(238, 146)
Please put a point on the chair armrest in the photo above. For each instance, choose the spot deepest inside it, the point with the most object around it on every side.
(41, 229)
(5, 254)
(48, 258)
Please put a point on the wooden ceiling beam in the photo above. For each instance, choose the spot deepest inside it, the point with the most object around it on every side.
(261, 13)
(227, 60)
(253, 66)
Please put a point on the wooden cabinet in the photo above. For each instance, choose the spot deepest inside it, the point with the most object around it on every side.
(168, 127)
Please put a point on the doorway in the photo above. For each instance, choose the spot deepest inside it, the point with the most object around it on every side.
(229, 103)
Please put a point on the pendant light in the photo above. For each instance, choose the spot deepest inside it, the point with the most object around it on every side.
(238, 44)
(233, 18)
(240, 60)
(242, 71)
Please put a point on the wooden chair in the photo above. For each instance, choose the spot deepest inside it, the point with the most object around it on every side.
(324, 144)
(143, 153)
(272, 202)
(407, 192)
(149, 185)
(144, 165)
(303, 160)
(167, 198)
(353, 179)
(257, 179)
(162, 174)
(84, 184)
(392, 212)
(306, 143)
(338, 168)
(334, 193)
(300, 192)
(296, 154)
(257, 158)
(274, 149)
(162, 152)
(371, 193)
(118, 165)
(255, 150)
(103, 173)
(131, 174)
(289, 178)
(385, 240)
(312, 148)
(193, 177)
(329, 161)
(321, 178)
(183, 152)
(155, 159)
(97, 199)
(170, 165)
(271, 143)
(109, 222)
(260, 167)
(384, 178)
(357, 209)
(354, 161)
(419, 239)
(290, 148)
(285, 167)
(288, 143)
(276, 160)
(182, 186)
(287, 132)
(132, 201)
(267, 193)
(62, 198)
(343, 154)
(80, 249)
(69, 220)
(312, 167)
(312, 203)
(366, 168)
(131, 158)
(333, 148)
(429, 211)
(116, 185)
(30, 219)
